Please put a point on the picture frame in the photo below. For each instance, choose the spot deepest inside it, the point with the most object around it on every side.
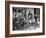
(11, 7)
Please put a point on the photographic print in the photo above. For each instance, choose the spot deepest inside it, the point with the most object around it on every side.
(24, 19)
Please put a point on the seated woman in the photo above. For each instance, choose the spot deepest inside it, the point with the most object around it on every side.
(31, 19)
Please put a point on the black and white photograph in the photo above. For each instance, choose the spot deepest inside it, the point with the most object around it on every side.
(25, 18)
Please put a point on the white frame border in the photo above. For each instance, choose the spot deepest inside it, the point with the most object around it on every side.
(28, 31)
